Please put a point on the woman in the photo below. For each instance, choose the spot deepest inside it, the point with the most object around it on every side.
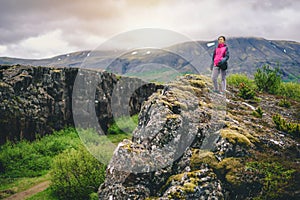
(219, 65)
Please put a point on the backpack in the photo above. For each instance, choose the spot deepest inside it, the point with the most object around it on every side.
(223, 66)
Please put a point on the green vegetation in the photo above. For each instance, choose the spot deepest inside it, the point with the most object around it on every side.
(246, 92)
(235, 137)
(123, 125)
(258, 112)
(274, 178)
(284, 103)
(290, 90)
(24, 164)
(162, 75)
(31, 159)
(246, 86)
(76, 174)
(9, 186)
(267, 79)
(236, 79)
(46, 195)
(288, 127)
(228, 168)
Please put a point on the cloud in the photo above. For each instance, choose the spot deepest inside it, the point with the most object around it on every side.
(46, 45)
(86, 24)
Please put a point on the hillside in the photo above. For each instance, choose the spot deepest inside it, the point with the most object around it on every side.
(246, 55)
(194, 144)
(190, 143)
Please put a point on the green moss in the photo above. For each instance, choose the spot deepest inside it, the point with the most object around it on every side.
(166, 103)
(229, 168)
(4, 85)
(189, 187)
(198, 83)
(234, 137)
(243, 131)
(177, 194)
(181, 105)
(200, 157)
(181, 90)
(172, 116)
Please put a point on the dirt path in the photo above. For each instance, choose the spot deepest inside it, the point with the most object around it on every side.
(31, 191)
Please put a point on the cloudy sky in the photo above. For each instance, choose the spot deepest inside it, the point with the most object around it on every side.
(45, 28)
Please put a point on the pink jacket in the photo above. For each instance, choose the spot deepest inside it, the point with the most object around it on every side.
(221, 54)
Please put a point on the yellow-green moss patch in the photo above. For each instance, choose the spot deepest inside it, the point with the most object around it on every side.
(235, 137)
(229, 168)
(243, 131)
(172, 116)
(201, 156)
(198, 83)
(189, 187)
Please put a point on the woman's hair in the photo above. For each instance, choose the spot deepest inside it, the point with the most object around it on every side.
(222, 37)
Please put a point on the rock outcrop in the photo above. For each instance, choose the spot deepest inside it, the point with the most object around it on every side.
(38, 100)
(191, 143)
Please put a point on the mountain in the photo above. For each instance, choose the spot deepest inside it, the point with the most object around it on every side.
(246, 55)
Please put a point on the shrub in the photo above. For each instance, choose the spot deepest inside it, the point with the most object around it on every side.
(236, 79)
(76, 174)
(246, 92)
(267, 79)
(290, 90)
(22, 160)
(288, 127)
(284, 103)
(123, 124)
(30, 159)
(258, 112)
(274, 178)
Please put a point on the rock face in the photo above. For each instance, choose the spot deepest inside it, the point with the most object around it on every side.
(188, 145)
(38, 100)
(156, 162)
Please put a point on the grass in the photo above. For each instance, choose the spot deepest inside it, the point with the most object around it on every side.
(24, 164)
(15, 185)
(44, 195)
(285, 89)
(275, 178)
(32, 159)
(158, 75)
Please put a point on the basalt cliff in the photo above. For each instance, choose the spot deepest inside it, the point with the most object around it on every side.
(35, 101)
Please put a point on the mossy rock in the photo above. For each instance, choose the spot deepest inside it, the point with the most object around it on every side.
(229, 167)
(189, 187)
(244, 132)
(200, 157)
(4, 85)
(172, 116)
(235, 137)
(198, 83)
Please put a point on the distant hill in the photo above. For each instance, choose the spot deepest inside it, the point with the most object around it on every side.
(246, 55)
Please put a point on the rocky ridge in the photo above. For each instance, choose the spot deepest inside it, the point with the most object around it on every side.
(35, 101)
(191, 143)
